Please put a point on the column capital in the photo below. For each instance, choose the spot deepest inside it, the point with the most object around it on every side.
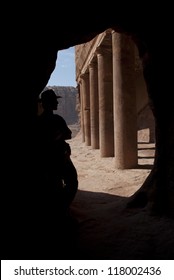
(113, 31)
(93, 64)
(102, 50)
(84, 76)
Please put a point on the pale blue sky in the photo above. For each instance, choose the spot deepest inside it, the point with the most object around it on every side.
(64, 72)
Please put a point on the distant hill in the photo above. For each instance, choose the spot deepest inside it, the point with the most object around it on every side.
(67, 107)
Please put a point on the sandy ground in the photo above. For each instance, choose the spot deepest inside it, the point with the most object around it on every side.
(106, 228)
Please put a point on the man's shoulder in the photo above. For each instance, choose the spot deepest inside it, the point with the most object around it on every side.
(58, 118)
(50, 119)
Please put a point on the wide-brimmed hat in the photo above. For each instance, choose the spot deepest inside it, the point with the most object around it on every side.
(49, 95)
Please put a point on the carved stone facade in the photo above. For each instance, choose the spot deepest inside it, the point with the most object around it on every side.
(114, 106)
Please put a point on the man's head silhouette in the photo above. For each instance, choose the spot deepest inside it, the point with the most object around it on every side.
(49, 99)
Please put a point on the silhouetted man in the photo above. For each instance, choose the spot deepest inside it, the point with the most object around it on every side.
(58, 175)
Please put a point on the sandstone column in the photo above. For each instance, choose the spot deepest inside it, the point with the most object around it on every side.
(94, 104)
(124, 94)
(86, 107)
(81, 112)
(105, 91)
